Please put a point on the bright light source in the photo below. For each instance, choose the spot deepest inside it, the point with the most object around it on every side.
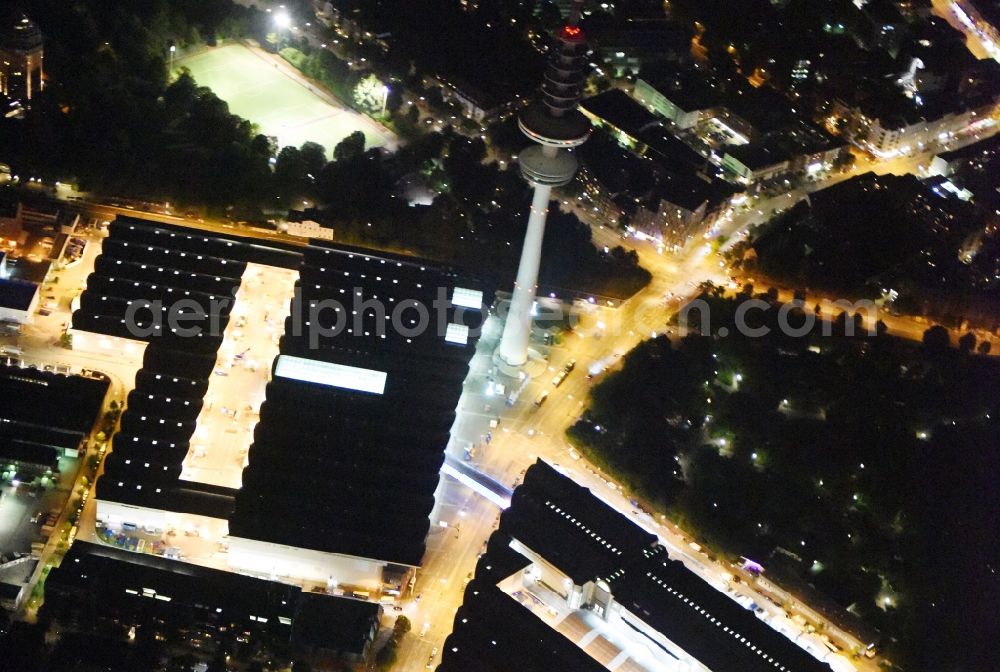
(457, 333)
(333, 375)
(467, 298)
(282, 20)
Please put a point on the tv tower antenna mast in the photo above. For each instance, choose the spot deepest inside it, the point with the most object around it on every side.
(556, 125)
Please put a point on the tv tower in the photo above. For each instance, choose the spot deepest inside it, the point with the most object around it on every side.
(555, 125)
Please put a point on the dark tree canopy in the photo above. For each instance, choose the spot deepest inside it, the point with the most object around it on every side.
(871, 458)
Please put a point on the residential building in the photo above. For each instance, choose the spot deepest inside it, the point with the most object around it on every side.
(600, 199)
(974, 155)
(673, 189)
(329, 628)
(892, 125)
(681, 204)
(22, 53)
(630, 46)
(108, 590)
(982, 17)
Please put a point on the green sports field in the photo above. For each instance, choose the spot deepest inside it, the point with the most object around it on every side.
(268, 91)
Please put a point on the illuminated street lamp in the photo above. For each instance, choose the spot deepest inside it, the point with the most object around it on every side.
(385, 98)
(282, 21)
(173, 50)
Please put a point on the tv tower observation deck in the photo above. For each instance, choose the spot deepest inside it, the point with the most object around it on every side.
(556, 125)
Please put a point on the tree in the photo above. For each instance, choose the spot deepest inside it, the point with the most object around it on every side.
(401, 627)
(350, 147)
(218, 663)
(549, 15)
(844, 160)
(289, 170)
(182, 663)
(394, 100)
(370, 94)
(967, 342)
(936, 339)
(313, 157)
(984, 348)
(386, 656)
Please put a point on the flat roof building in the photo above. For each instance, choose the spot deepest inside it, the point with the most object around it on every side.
(365, 401)
(114, 592)
(369, 406)
(18, 300)
(567, 582)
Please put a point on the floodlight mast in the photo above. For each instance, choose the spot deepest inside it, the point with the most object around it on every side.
(556, 125)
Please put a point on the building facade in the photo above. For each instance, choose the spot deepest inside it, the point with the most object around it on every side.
(22, 72)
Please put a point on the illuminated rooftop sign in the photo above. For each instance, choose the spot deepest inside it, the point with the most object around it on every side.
(467, 298)
(457, 333)
(333, 375)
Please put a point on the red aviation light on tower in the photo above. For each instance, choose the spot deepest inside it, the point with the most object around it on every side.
(571, 32)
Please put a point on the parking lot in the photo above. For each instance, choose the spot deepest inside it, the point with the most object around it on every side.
(236, 389)
(24, 508)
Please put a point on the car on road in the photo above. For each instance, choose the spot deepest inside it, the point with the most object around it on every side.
(541, 398)
(558, 380)
(570, 366)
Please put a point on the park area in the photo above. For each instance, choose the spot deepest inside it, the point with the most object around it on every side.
(269, 92)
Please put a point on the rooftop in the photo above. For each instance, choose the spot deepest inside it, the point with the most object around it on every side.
(618, 109)
(765, 109)
(493, 633)
(322, 411)
(369, 406)
(758, 155)
(338, 624)
(29, 397)
(22, 35)
(705, 622)
(688, 89)
(120, 576)
(565, 523)
(496, 629)
(690, 191)
(674, 153)
(984, 150)
(16, 295)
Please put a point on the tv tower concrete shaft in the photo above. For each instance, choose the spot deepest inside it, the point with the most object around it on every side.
(517, 329)
(556, 125)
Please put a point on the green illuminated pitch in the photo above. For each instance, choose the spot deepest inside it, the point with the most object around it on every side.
(267, 91)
